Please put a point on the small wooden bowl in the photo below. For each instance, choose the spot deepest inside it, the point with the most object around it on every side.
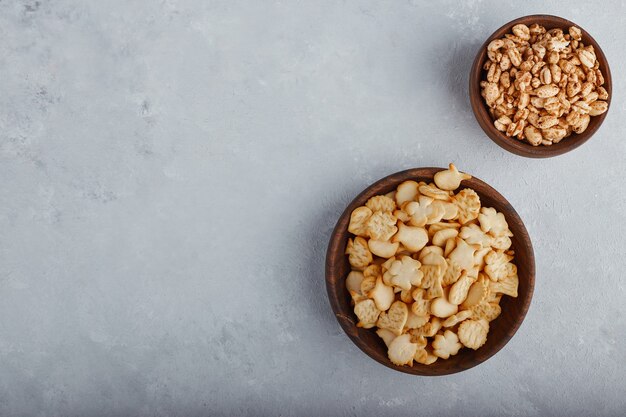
(480, 109)
(501, 329)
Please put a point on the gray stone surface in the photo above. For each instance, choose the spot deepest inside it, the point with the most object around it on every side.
(170, 173)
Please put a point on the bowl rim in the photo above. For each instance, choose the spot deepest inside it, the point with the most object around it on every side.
(516, 146)
(335, 253)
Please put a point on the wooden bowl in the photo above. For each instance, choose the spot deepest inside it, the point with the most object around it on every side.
(480, 109)
(501, 329)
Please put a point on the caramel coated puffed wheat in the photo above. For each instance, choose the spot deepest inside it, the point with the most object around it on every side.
(430, 265)
(542, 85)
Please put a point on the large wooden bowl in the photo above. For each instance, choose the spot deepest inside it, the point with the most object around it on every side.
(480, 109)
(501, 329)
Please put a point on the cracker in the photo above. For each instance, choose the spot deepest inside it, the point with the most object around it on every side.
(367, 313)
(431, 273)
(402, 351)
(473, 333)
(501, 242)
(476, 294)
(473, 234)
(450, 210)
(424, 357)
(381, 225)
(450, 246)
(459, 290)
(402, 216)
(406, 296)
(383, 249)
(353, 281)
(429, 329)
(432, 281)
(414, 321)
(404, 273)
(432, 255)
(457, 318)
(430, 264)
(418, 211)
(381, 203)
(468, 203)
(463, 254)
(412, 238)
(479, 257)
(373, 271)
(486, 311)
(435, 290)
(395, 318)
(358, 253)
(407, 191)
(382, 295)
(497, 264)
(446, 345)
(442, 308)
(493, 222)
(452, 274)
(420, 341)
(358, 221)
(387, 335)
(507, 285)
(367, 285)
(420, 306)
(433, 192)
(450, 179)
(441, 237)
(357, 297)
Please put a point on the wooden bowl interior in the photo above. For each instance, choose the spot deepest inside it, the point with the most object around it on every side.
(481, 111)
(502, 329)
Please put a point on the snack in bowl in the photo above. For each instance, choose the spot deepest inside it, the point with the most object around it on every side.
(542, 85)
(429, 268)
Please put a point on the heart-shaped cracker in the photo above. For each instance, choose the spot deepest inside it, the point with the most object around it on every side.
(395, 318)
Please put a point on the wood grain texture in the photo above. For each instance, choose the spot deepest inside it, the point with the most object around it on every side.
(502, 329)
(477, 74)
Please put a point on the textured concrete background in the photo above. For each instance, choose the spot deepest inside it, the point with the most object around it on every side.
(170, 172)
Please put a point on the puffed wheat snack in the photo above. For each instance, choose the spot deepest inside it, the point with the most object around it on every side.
(542, 85)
